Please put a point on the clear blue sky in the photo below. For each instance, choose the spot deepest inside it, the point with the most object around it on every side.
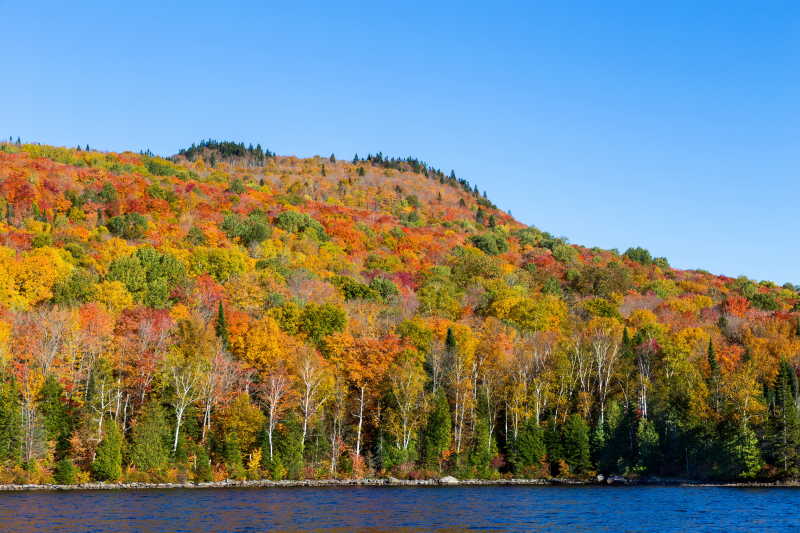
(672, 125)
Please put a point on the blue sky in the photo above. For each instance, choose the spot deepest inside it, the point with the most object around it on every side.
(671, 125)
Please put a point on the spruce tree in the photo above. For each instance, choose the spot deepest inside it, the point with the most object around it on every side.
(150, 439)
(107, 465)
(233, 457)
(202, 467)
(436, 434)
(714, 378)
(55, 415)
(784, 424)
(221, 326)
(10, 423)
(528, 450)
(65, 472)
(742, 454)
(289, 447)
(647, 445)
(554, 445)
(576, 444)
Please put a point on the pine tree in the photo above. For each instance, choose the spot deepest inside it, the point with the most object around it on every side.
(65, 472)
(714, 378)
(450, 341)
(742, 454)
(484, 448)
(290, 447)
(576, 444)
(554, 445)
(233, 457)
(784, 436)
(221, 326)
(107, 465)
(436, 434)
(150, 439)
(55, 415)
(647, 445)
(10, 422)
(202, 467)
(528, 450)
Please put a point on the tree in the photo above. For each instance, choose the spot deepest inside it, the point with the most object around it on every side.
(784, 421)
(54, 415)
(406, 385)
(107, 465)
(221, 326)
(528, 450)
(576, 444)
(436, 436)
(149, 439)
(10, 421)
(364, 361)
(185, 366)
(315, 381)
(742, 454)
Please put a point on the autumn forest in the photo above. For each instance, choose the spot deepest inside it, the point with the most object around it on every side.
(230, 313)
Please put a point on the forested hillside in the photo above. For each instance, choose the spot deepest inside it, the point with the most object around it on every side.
(232, 313)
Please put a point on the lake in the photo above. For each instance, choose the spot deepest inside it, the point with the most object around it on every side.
(496, 508)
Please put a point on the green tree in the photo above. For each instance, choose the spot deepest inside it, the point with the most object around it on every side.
(107, 465)
(576, 444)
(437, 431)
(784, 422)
(232, 454)
(65, 472)
(10, 422)
(528, 450)
(221, 326)
(647, 445)
(150, 439)
(318, 321)
(202, 468)
(742, 453)
(289, 447)
(55, 415)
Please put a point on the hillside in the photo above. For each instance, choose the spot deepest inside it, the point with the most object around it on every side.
(230, 313)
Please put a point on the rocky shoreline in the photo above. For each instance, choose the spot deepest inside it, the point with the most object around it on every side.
(389, 482)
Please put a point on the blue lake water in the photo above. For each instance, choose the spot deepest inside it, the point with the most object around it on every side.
(494, 508)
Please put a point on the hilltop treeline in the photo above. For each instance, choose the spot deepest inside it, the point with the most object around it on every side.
(282, 317)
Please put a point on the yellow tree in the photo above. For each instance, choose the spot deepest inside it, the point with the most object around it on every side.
(185, 366)
(407, 385)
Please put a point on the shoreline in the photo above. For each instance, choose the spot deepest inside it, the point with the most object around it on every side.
(447, 481)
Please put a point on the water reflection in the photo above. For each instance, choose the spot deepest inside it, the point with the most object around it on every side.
(409, 509)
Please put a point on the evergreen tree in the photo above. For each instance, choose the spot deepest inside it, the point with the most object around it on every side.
(221, 326)
(529, 449)
(484, 448)
(742, 454)
(107, 465)
(436, 434)
(576, 444)
(714, 378)
(450, 341)
(784, 431)
(55, 415)
(647, 445)
(202, 468)
(10, 422)
(554, 446)
(65, 472)
(233, 457)
(150, 439)
(290, 447)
